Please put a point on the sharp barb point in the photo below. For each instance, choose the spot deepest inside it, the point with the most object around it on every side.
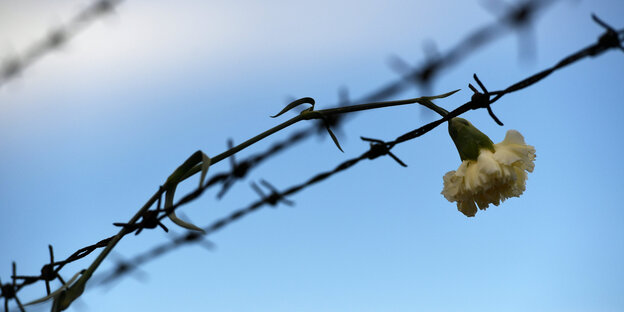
(257, 189)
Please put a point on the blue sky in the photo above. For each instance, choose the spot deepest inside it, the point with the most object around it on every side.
(89, 132)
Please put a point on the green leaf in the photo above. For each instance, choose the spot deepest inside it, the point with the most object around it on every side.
(441, 96)
(64, 298)
(57, 292)
(189, 226)
(331, 134)
(295, 103)
(178, 175)
(173, 217)
(204, 168)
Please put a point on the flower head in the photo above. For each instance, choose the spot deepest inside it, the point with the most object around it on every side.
(489, 173)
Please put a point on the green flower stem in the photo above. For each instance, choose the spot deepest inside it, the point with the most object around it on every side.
(425, 101)
(306, 115)
(66, 298)
(255, 139)
(428, 104)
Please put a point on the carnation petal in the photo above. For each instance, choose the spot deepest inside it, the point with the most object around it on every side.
(468, 208)
(514, 137)
(513, 151)
(487, 163)
(472, 179)
(451, 186)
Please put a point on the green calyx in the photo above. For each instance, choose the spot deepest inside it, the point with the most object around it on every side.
(468, 139)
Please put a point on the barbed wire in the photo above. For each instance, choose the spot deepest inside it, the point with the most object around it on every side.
(55, 38)
(610, 39)
(514, 17)
(511, 17)
(50, 271)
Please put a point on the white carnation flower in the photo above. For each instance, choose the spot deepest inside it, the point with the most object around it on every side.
(498, 172)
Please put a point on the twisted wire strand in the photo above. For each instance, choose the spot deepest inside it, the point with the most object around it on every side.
(376, 149)
(13, 67)
(606, 42)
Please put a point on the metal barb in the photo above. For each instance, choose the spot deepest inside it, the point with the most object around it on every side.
(611, 37)
(482, 99)
(274, 198)
(331, 134)
(334, 121)
(149, 220)
(380, 148)
(237, 172)
(48, 273)
(194, 237)
(9, 291)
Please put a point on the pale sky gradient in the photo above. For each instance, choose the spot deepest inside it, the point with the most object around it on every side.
(89, 132)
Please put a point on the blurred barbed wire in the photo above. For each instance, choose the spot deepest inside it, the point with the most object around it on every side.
(55, 38)
(610, 39)
(510, 18)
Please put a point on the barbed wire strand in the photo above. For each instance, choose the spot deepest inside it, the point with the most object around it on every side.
(378, 148)
(606, 42)
(516, 16)
(513, 17)
(13, 67)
